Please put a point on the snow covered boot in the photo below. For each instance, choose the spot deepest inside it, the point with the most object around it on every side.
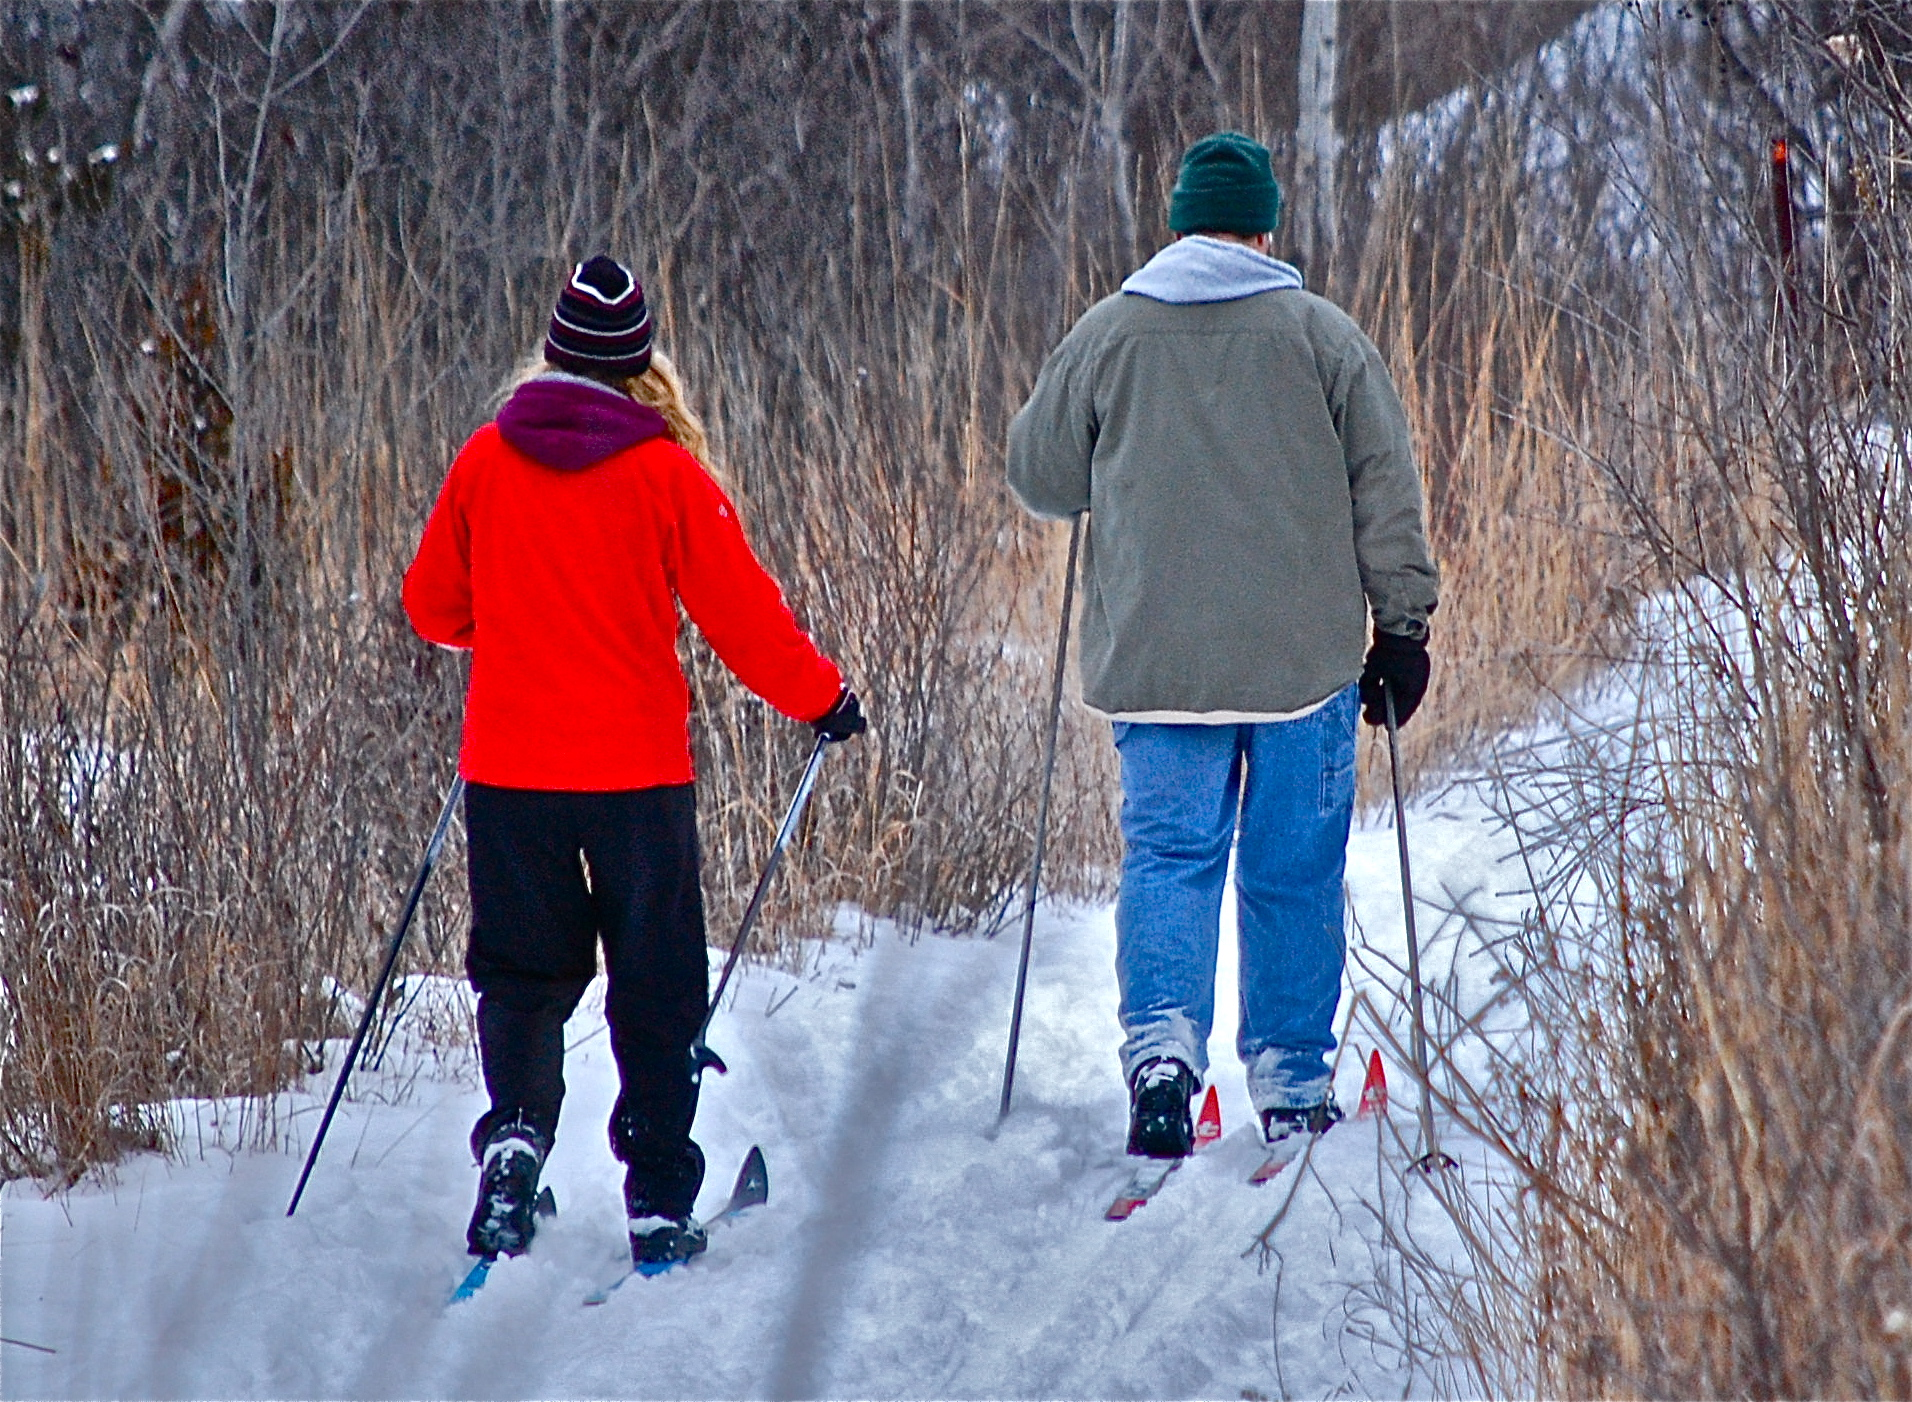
(1281, 1126)
(660, 1242)
(661, 1234)
(506, 1216)
(1160, 1126)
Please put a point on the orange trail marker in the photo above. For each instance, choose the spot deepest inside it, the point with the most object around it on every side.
(1208, 1126)
(1374, 1090)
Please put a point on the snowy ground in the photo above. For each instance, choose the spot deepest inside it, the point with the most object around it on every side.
(905, 1251)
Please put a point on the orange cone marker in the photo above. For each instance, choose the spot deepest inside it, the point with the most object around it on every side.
(1374, 1091)
(1208, 1126)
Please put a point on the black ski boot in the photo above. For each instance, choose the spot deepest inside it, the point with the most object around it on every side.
(509, 1203)
(1279, 1126)
(658, 1243)
(663, 1233)
(663, 1169)
(1159, 1123)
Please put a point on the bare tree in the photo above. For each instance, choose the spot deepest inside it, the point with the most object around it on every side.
(1317, 139)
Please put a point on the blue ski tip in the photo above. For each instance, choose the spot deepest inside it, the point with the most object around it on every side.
(474, 1280)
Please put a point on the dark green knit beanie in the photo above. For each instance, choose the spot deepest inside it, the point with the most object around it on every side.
(1227, 186)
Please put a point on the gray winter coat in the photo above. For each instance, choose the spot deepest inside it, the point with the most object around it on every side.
(1251, 487)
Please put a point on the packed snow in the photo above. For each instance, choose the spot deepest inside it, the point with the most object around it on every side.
(908, 1249)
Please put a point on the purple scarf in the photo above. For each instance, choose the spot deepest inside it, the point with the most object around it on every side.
(570, 423)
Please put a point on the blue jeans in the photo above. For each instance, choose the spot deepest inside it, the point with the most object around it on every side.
(1283, 792)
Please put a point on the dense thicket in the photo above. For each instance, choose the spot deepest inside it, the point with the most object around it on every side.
(1704, 1118)
(262, 267)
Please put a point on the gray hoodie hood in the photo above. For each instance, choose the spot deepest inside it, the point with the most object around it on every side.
(1202, 269)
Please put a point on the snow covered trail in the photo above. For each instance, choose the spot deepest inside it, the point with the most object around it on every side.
(904, 1252)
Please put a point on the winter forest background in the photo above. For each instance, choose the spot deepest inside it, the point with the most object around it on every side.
(264, 266)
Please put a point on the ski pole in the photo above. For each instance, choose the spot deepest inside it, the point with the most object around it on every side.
(701, 1055)
(378, 989)
(1432, 1157)
(1042, 816)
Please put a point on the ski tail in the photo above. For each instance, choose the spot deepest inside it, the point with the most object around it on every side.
(604, 1292)
(474, 1280)
(1270, 1167)
(1144, 1183)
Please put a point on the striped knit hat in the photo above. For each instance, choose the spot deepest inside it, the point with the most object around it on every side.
(601, 325)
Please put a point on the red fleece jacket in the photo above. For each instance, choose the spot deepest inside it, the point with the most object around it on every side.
(565, 586)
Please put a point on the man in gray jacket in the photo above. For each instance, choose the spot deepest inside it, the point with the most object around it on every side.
(1252, 500)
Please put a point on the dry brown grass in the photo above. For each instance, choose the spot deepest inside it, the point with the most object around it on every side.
(878, 498)
(1536, 565)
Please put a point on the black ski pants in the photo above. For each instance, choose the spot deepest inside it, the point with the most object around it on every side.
(553, 875)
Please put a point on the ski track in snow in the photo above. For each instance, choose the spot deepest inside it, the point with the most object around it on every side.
(906, 1251)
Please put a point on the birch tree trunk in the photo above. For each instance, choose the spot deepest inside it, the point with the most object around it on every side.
(1113, 119)
(912, 143)
(1317, 142)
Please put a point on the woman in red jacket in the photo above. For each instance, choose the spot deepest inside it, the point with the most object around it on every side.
(566, 536)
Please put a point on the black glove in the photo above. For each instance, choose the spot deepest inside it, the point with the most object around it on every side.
(843, 719)
(1401, 665)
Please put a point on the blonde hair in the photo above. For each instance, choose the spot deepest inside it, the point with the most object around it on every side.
(659, 388)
